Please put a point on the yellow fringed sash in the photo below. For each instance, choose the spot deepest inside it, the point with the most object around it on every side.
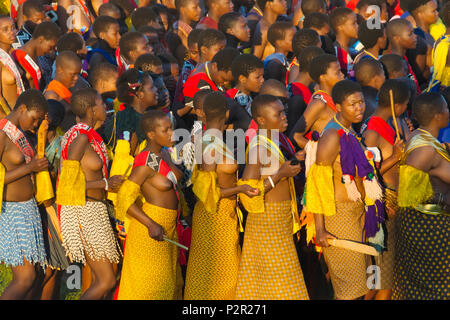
(128, 193)
(205, 188)
(255, 204)
(414, 187)
(71, 189)
(320, 190)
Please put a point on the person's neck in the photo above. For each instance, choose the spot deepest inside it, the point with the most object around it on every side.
(303, 78)
(431, 128)
(347, 124)
(269, 133)
(138, 107)
(13, 117)
(214, 15)
(375, 51)
(383, 112)
(59, 80)
(217, 125)
(31, 49)
(282, 51)
(326, 88)
(242, 89)
(186, 20)
(5, 47)
(154, 147)
(344, 41)
(269, 17)
(89, 122)
(422, 25)
(396, 49)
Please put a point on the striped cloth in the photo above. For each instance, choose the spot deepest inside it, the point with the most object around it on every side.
(21, 234)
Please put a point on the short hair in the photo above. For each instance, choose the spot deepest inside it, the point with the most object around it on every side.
(194, 37)
(362, 3)
(343, 89)
(106, 8)
(65, 56)
(102, 24)
(272, 87)
(366, 70)
(277, 31)
(393, 63)
(143, 16)
(306, 56)
(124, 5)
(228, 20)
(215, 106)
(316, 20)
(311, 6)
(260, 102)
(147, 61)
(126, 84)
(71, 41)
(245, 64)
(445, 14)
(31, 6)
(48, 30)
(426, 106)
(56, 113)
(82, 100)
(149, 120)
(396, 27)
(400, 92)
(339, 16)
(181, 3)
(412, 6)
(304, 38)
(319, 66)
(32, 99)
(224, 58)
(210, 37)
(369, 36)
(199, 97)
(101, 72)
(128, 41)
(262, 3)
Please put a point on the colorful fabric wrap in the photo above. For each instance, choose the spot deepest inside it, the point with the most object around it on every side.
(71, 190)
(128, 193)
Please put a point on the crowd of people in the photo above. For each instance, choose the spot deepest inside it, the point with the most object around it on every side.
(226, 149)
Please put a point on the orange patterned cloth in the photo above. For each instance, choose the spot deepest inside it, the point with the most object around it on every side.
(150, 268)
(269, 268)
(214, 256)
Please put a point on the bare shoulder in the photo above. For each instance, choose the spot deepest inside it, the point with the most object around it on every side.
(328, 147)
(371, 138)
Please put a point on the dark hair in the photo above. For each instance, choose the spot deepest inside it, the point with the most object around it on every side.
(339, 16)
(128, 41)
(106, 8)
(306, 56)
(199, 97)
(426, 106)
(362, 3)
(56, 113)
(143, 16)
(304, 38)
(124, 5)
(71, 41)
(245, 64)
(369, 36)
(400, 92)
(260, 102)
(146, 61)
(316, 20)
(393, 63)
(396, 27)
(224, 58)
(445, 14)
(319, 66)
(262, 3)
(215, 106)
(31, 6)
(194, 37)
(48, 30)
(129, 83)
(413, 5)
(66, 56)
(32, 99)
(277, 31)
(366, 70)
(227, 21)
(82, 100)
(272, 87)
(343, 89)
(102, 24)
(149, 119)
(209, 38)
(181, 3)
(101, 72)
(311, 6)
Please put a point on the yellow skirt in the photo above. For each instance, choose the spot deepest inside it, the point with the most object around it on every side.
(214, 254)
(150, 268)
(270, 268)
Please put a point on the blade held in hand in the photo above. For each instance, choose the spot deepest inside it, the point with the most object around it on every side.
(354, 246)
(176, 243)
